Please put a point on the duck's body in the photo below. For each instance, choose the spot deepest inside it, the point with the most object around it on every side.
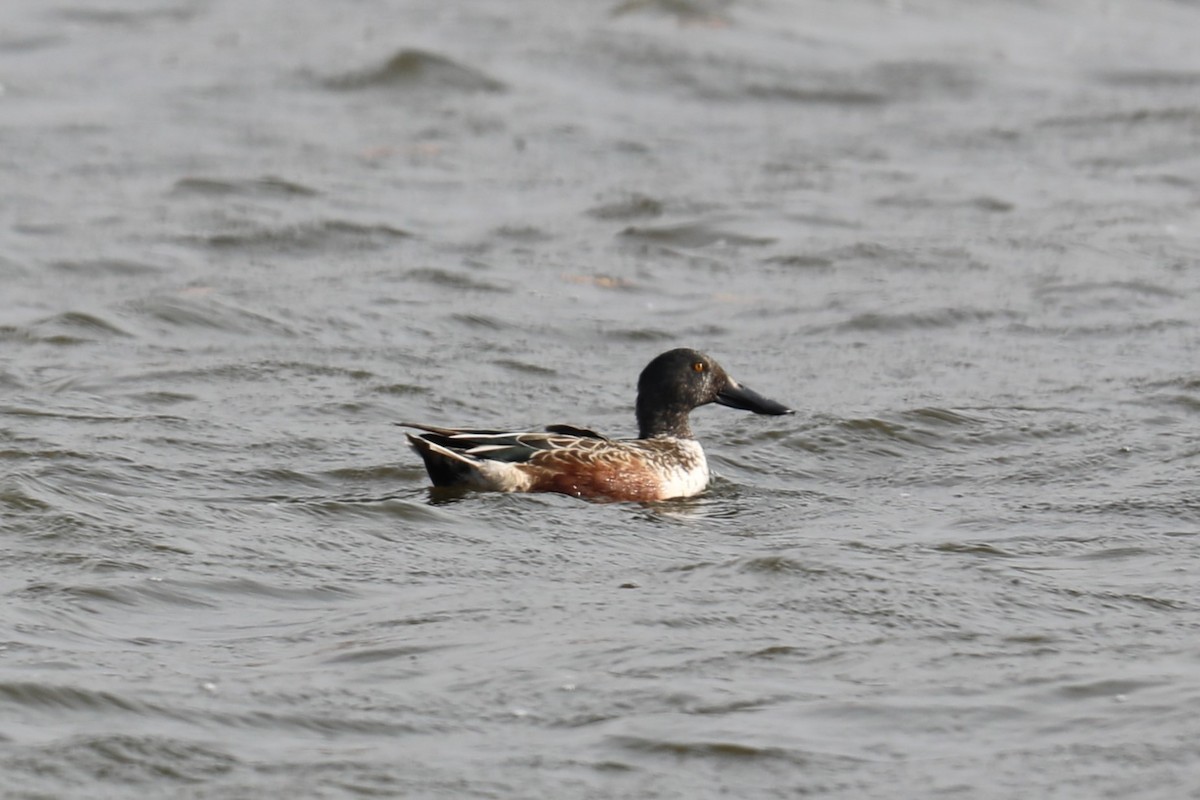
(579, 464)
(664, 462)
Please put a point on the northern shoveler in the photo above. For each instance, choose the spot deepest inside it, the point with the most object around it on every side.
(664, 462)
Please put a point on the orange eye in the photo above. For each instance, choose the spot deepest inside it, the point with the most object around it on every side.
(698, 366)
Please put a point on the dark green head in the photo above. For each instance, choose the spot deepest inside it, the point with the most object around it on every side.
(679, 380)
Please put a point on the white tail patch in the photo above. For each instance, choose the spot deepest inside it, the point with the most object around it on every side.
(494, 476)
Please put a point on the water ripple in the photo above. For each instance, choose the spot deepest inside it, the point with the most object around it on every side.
(417, 69)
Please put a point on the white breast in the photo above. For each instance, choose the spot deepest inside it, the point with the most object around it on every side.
(690, 476)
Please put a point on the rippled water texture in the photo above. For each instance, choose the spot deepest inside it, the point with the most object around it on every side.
(238, 240)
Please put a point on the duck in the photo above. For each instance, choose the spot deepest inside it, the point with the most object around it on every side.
(664, 462)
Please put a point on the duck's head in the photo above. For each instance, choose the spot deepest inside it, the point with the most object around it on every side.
(682, 379)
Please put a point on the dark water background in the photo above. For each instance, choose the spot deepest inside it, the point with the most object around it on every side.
(239, 239)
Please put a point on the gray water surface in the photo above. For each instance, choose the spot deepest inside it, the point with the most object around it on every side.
(238, 240)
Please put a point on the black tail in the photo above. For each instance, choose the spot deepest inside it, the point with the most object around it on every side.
(443, 470)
